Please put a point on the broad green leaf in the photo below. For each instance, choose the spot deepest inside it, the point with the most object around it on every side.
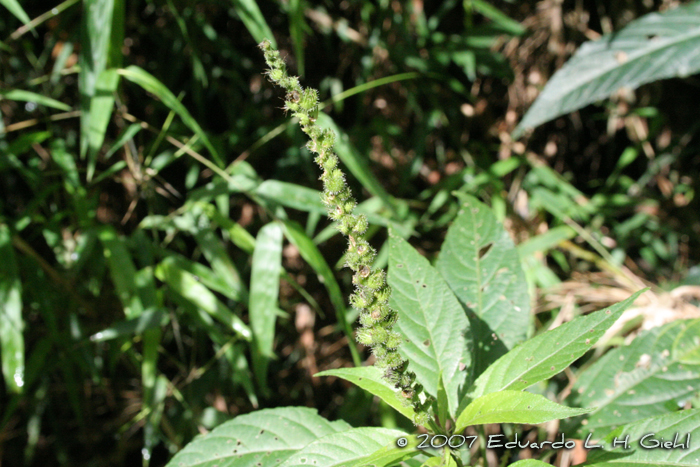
(682, 427)
(254, 21)
(513, 407)
(481, 265)
(370, 379)
(149, 319)
(653, 375)
(546, 241)
(547, 354)
(28, 96)
(266, 438)
(11, 321)
(264, 295)
(431, 320)
(653, 47)
(344, 449)
(16, 9)
(187, 286)
(150, 84)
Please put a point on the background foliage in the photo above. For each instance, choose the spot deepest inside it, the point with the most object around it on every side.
(165, 261)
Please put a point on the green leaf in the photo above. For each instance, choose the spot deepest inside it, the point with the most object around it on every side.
(150, 84)
(11, 322)
(530, 463)
(221, 263)
(391, 455)
(291, 195)
(264, 295)
(345, 449)
(431, 320)
(28, 96)
(682, 426)
(653, 375)
(266, 437)
(254, 21)
(370, 379)
(129, 287)
(150, 319)
(96, 33)
(498, 17)
(653, 47)
(101, 106)
(311, 254)
(547, 354)
(187, 286)
(16, 9)
(513, 407)
(481, 265)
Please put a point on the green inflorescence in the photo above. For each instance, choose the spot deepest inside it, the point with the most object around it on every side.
(372, 293)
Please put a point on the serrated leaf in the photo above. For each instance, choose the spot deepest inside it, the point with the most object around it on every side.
(680, 427)
(653, 47)
(513, 407)
(11, 321)
(264, 437)
(649, 377)
(370, 379)
(264, 295)
(547, 354)
(481, 265)
(431, 320)
(188, 287)
(344, 449)
(28, 96)
(150, 84)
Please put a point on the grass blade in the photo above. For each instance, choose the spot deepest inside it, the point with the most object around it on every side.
(94, 55)
(11, 322)
(311, 254)
(150, 84)
(28, 96)
(16, 9)
(264, 295)
(254, 21)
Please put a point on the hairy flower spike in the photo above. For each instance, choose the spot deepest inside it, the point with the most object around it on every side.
(372, 293)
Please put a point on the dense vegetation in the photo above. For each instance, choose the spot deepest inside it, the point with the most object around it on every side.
(166, 263)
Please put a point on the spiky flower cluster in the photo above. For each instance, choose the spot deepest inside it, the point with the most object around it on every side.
(371, 294)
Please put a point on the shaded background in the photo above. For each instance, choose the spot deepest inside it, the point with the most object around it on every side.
(612, 184)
